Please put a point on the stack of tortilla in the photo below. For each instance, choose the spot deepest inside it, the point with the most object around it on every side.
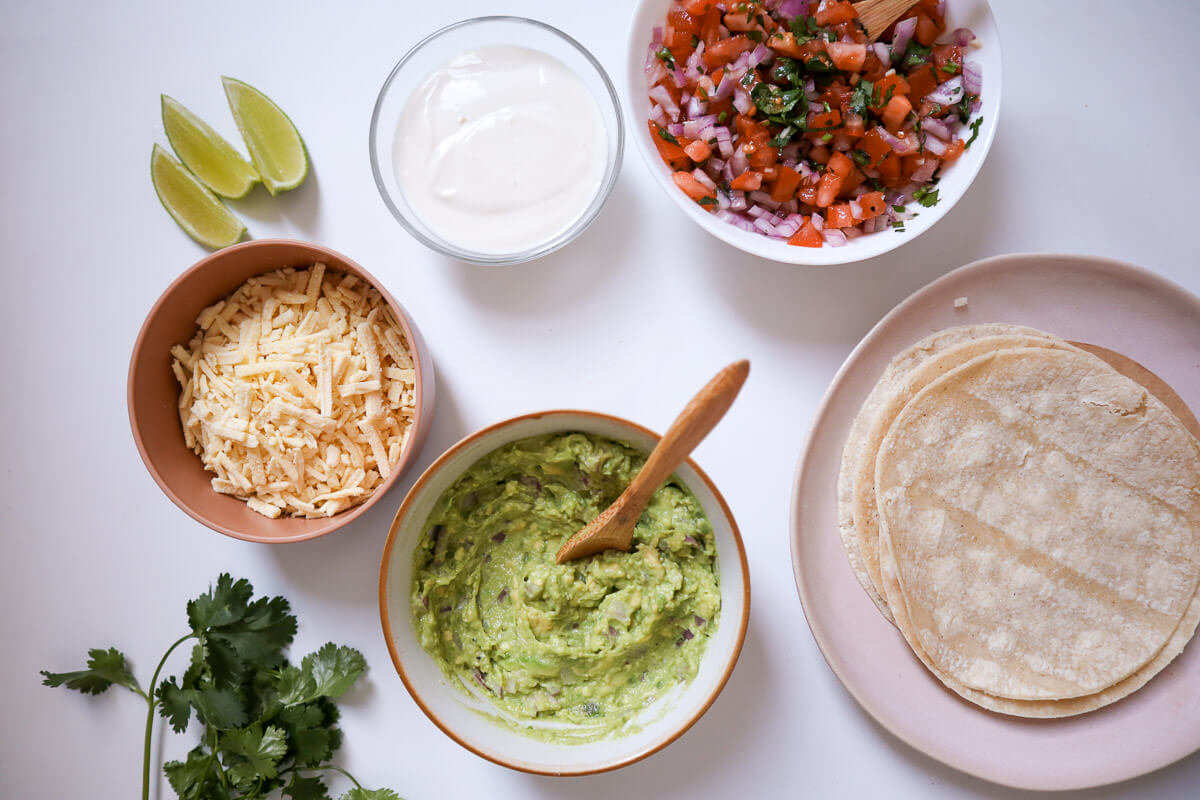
(1027, 516)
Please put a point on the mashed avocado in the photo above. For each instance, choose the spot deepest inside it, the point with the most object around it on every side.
(583, 646)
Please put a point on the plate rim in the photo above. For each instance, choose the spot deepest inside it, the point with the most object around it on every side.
(1102, 264)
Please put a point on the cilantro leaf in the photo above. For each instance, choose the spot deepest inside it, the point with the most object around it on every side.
(301, 788)
(666, 56)
(861, 98)
(219, 708)
(773, 101)
(261, 634)
(260, 747)
(666, 135)
(104, 668)
(786, 71)
(926, 196)
(189, 778)
(916, 54)
(974, 132)
(370, 794)
(222, 604)
(175, 705)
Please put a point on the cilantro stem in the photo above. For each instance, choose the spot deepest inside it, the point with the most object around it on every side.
(152, 703)
(357, 785)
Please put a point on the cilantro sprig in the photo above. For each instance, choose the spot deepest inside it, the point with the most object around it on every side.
(266, 725)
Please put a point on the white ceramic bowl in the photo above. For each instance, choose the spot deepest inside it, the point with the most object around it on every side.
(973, 14)
(432, 53)
(449, 708)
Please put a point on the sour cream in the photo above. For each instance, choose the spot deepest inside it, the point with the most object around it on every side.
(501, 150)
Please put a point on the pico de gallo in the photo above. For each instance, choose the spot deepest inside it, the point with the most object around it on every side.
(782, 118)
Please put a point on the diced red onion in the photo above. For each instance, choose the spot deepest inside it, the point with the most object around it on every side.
(692, 67)
(763, 199)
(937, 127)
(657, 114)
(816, 108)
(790, 207)
(804, 169)
(676, 128)
(742, 63)
(694, 127)
(832, 236)
(851, 233)
(716, 164)
(760, 55)
(935, 145)
(810, 90)
(695, 106)
(723, 202)
(948, 93)
(738, 162)
(742, 101)
(905, 29)
(842, 143)
(792, 8)
(701, 176)
(941, 8)
(738, 201)
(818, 222)
(882, 52)
(660, 95)
(856, 209)
(764, 225)
(924, 173)
(725, 87)
(724, 141)
(903, 147)
(963, 36)
(652, 50)
(655, 72)
(972, 77)
(757, 212)
(681, 80)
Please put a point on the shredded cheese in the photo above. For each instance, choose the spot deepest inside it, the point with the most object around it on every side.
(297, 392)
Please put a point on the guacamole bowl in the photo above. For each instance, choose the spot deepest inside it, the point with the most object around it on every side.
(467, 709)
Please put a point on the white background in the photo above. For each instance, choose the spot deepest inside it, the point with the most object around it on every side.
(1095, 153)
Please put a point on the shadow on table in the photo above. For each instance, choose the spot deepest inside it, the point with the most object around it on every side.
(674, 770)
(341, 569)
(299, 207)
(559, 281)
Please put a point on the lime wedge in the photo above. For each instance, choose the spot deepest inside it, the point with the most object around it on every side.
(212, 159)
(195, 208)
(274, 143)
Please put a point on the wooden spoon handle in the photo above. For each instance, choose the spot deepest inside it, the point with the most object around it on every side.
(689, 429)
(877, 15)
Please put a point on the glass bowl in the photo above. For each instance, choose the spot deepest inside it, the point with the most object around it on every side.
(434, 52)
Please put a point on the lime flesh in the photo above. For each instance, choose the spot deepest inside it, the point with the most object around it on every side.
(274, 143)
(212, 159)
(194, 207)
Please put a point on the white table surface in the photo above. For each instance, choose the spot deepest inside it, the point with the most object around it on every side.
(1094, 154)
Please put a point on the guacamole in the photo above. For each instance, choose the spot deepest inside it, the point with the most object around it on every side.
(569, 652)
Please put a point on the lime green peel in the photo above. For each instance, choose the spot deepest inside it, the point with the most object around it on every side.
(274, 143)
(194, 207)
(205, 152)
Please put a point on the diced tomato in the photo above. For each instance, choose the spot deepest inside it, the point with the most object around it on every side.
(698, 150)
(807, 236)
(671, 153)
(874, 146)
(847, 56)
(710, 29)
(840, 216)
(928, 30)
(852, 181)
(824, 122)
(889, 169)
(953, 151)
(839, 165)
(697, 8)
(720, 53)
(831, 12)
(785, 185)
(947, 60)
(872, 204)
(819, 154)
(827, 189)
(807, 193)
(748, 181)
(690, 186)
(837, 95)
(921, 81)
(888, 87)
(784, 43)
(873, 69)
(682, 21)
(896, 112)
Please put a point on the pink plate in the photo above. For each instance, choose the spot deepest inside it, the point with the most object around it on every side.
(1081, 298)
